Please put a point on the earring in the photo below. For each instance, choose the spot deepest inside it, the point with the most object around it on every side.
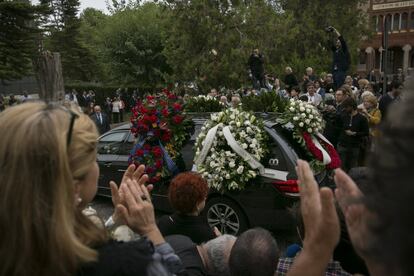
(78, 200)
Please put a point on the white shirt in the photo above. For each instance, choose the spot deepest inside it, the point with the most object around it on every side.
(316, 99)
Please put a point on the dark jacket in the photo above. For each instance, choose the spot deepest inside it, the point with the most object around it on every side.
(194, 227)
(256, 65)
(383, 105)
(102, 126)
(358, 124)
(341, 57)
(290, 81)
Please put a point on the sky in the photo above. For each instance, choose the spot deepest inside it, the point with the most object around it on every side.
(97, 4)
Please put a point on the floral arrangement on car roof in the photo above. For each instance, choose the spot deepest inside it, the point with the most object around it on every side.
(215, 159)
(203, 103)
(161, 130)
(306, 123)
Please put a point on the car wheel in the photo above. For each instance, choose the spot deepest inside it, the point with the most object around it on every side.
(226, 216)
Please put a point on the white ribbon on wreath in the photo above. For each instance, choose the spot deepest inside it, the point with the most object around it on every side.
(326, 158)
(253, 163)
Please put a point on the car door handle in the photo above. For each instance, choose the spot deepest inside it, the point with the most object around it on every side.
(121, 170)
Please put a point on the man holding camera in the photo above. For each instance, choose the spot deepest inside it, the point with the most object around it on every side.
(256, 66)
(341, 58)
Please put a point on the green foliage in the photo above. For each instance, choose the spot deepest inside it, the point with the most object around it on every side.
(265, 102)
(203, 104)
(18, 36)
(78, 63)
(132, 44)
(210, 41)
(312, 44)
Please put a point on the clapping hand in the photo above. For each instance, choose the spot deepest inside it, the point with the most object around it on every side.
(138, 211)
(117, 195)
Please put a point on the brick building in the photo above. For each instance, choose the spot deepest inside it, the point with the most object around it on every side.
(400, 14)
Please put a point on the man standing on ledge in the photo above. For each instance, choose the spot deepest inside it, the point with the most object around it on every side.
(341, 58)
(256, 66)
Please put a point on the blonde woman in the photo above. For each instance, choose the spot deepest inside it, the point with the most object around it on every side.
(48, 175)
(372, 113)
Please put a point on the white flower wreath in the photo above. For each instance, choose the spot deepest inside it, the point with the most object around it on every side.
(304, 116)
(222, 168)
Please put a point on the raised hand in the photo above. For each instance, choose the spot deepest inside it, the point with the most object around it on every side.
(138, 211)
(321, 225)
(349, 197)
(319, 215)
(137, 177)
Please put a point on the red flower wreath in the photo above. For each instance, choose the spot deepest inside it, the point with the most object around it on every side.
(317, 153)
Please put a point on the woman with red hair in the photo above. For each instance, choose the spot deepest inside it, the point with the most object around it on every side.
(187, 195)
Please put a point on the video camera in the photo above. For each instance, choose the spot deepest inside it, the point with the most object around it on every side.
(329, 29)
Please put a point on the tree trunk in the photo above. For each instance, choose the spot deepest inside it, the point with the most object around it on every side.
(49, 76)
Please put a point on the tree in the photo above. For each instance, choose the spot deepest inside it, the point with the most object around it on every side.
(77, 61)
(18, 34)
(210, 41)
(133, 46)
(311, 47)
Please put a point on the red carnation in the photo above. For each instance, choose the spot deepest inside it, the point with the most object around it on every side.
(139, 152)
(177, 119)
(147, 147)
(150, 98)
(149, 170)
(177, 106)
(166, 137)
(163, 103)
(158, 164)
(165, 112)
(172, 97)
(154, 179)
(157, 151)
(142, 109)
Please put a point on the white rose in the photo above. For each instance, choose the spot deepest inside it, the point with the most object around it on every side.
(240, 170)
(303, 115)
(309, 130)
(238, 124)
(301, 124)
(227, 176)
(247, 123)
(244, 146)
(302, 109)
(292, 109)
(295, 118)
(308, 110)
(310, 116)
(232, 164)
(307, 121)
(249, 129)
(232, 117)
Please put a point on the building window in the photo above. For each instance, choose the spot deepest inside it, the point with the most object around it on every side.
(389, 22)
(412, 21)
(380, 23)
(404, 21)
(396, 22)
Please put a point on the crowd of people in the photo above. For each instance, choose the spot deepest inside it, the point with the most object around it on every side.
(45, 231)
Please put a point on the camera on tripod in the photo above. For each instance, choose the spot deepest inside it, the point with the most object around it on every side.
(329, 29)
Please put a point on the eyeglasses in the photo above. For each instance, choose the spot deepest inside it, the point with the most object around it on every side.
(73, 117)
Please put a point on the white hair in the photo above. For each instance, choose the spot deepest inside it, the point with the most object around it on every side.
(218, 252)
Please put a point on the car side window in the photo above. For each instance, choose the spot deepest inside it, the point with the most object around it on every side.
(111, 143)
(127, 146)
(275, 158)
